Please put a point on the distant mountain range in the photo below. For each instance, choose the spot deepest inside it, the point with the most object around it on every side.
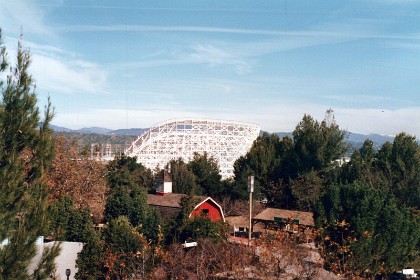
(355, 137)
(352, 137)
(356, 140)
(375, 138)
(102, 130)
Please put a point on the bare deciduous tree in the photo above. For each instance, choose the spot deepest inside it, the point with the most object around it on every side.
(77, 176)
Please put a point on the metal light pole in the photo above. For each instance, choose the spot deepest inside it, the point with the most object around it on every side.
(68, 272)
(250, 190)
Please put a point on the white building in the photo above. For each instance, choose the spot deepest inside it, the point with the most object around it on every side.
(65, 260)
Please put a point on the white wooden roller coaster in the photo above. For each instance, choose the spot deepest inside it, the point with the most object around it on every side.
(225, 141)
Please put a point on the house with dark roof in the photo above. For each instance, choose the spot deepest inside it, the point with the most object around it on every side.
(169, 204)
(277, 216)
(298, 223)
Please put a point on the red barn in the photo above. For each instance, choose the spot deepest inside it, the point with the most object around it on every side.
(168, 205)
(209, 208)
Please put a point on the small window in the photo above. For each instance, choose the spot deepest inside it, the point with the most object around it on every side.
(205, 212)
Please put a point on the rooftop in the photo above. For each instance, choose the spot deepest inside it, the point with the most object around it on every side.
(305, 218)
(169, 199)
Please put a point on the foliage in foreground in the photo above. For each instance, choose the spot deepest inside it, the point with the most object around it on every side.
(272, 258)
(25, 155)
(121, 252)
(275, 257)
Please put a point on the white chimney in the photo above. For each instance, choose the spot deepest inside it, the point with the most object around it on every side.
(164, 183)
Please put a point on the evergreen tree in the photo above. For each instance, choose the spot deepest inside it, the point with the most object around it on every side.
(126, 170)
(90, 261)
(67, 223)
(128, 182)
(119, 255)
(405, 165)
(80, 226)
(206, 171)
(307, 189)
(317, 144)
(183, 179)
(395, 168)
(59, 214)
(25, 154)
(284, 168)
(263, 162)
(152, 226)
(362, 167)
(203, 227)
(176, 226)
(125, 249)
(365, 232)
(129, 201)
(128, 196)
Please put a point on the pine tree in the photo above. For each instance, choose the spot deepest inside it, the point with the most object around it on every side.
(365, 231)
(25, 153)
(183, 179)
(206, 171)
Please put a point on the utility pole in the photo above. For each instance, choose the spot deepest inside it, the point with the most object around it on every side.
(250, 190)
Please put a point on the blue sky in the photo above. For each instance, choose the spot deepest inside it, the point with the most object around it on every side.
(124, 64)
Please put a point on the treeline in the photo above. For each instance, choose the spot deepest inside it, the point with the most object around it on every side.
(367, 210)
(85, 140)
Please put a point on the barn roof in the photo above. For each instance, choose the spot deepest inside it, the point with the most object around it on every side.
(305, 218)
(167, 200)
